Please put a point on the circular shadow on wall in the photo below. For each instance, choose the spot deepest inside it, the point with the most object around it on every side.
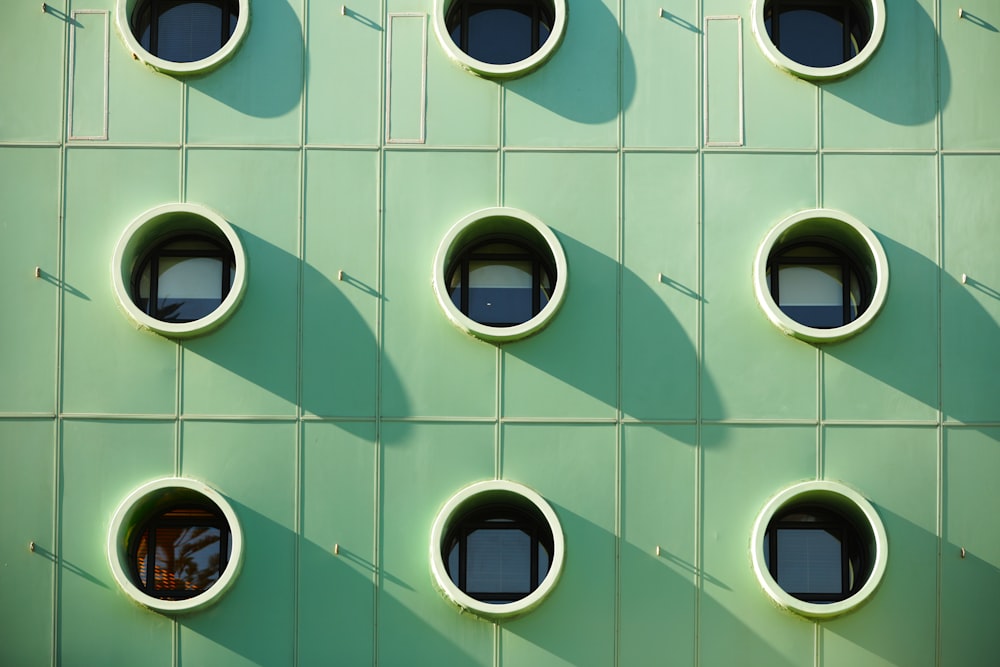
(265, 78)
(580, 80)
(898, 84)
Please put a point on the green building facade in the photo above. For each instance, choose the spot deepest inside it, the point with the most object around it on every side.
(338, 407)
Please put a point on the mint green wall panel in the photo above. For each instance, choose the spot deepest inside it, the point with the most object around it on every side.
(462, 108)
(743, 467)
(143, 105)
(252, 464)
(969, 583)
(572, 100)
(339, 337)
(658, 500)
(751, 369)
(32, 50)
(88, 75)
(109, 366)
(29, 220)
(543, 375)
(343, 74)
(660, 316)
(892, 102)
(406, 71)
(967, 51)
(659, 67)
(336, 593)
(573, 468)
(102, 462)
(255, 97)
(896, 468)
(780, 107)
(428, 363)
(247, 366)
(27, 474)
(970, 313)
(895, 196)
(723, 97)
(422, 466)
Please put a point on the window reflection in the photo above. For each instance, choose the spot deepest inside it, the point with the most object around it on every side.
(183, 30)
(818, 33)
(499, 33)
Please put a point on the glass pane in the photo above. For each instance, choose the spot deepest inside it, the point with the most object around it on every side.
(499, 36)
(189, 31)
(809, 561)
(811, 37)
(498, 561)
(500, 293)
(812, 295)
(187, 557)
(189, 288)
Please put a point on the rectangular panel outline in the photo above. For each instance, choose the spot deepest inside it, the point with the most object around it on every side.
(423, 79)
(739, 67)
(72, 71)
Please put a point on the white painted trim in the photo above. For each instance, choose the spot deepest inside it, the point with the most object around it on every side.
(510, 221)
(128, 517)
(72, 69)
(483, 493)
(739, 64)
(422, 138)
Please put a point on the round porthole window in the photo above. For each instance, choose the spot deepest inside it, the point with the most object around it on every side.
(818, 39)
(183, 36)
(500, 38)
(175, 545)
(819, 549)
(500, 274)
(496, 549)
(821, 275)
(179, 270)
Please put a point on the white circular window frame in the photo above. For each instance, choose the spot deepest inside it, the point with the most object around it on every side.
(151, 228)
(123, 15)
(819, 223)
(490, 70)
(508, 221)
(129, 517)
(877, 12)
(481, 494)
(824, 494)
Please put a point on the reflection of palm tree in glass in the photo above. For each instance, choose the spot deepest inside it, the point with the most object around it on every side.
(188, 558)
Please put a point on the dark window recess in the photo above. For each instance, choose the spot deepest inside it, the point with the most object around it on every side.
(498, 553)
(499, 33)
(184, 31)
(181, 551)
(818, 33)
(500, 282)
(816, 555)
(183, 279)
(818, 284)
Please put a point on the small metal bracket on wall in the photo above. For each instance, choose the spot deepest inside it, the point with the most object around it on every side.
(38, 272)
(45, 8)
(31, 546)
(961, 13)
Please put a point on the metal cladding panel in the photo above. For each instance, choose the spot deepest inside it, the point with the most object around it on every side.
(423, 465)
(248, 366)
(970, 556)
(753, 373)
(970, 322)
(743, 466)
(659, 576)
(543, 375)
(32, 49)
(28, 553)
(337, 568)
(102, 462)
(660, 299)
(430, 367)
(861, 380)
(340, 297)
(109, 367)
(253, 465)
(28, 224)
(860, 456)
